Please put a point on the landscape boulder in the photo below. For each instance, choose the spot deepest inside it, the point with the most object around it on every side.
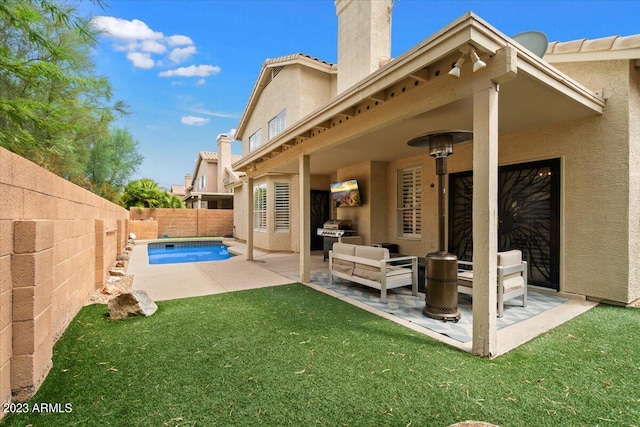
(131, 304)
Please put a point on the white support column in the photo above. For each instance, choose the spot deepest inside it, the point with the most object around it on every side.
(305, 218)
(485, 220)
(249, 200)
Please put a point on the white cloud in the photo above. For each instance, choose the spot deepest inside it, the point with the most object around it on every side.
(200, 82)
(194, 121)
(152, 46)
(231, 134)
(122, 29)
(139, 41)
(214, 113)
(192, 71)
(141, 60)
(179, 40)
(181, 54)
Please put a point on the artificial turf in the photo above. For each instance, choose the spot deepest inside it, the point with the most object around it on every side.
(289, 355)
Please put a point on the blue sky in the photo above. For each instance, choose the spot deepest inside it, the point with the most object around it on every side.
(187, 68)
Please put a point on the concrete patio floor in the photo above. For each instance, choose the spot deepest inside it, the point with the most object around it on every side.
(172, 281)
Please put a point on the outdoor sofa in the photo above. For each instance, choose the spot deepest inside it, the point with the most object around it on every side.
(373, 267)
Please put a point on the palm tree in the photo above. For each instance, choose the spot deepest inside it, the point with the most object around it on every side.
(145, 193)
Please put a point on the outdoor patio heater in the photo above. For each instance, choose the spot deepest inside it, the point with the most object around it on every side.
(441, 301)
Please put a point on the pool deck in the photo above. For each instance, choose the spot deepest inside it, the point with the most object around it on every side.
(172, 281)
(193, 279)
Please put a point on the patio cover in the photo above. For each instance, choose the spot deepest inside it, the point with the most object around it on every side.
(413, 95)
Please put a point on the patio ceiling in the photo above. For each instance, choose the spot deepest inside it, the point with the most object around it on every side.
(413, 95)
(524, 104)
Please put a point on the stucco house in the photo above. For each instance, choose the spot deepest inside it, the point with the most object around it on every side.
(553, 167)
(208, 187)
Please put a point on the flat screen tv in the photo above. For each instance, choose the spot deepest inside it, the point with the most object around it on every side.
(345, 194)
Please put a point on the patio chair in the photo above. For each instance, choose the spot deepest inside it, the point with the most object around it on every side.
(512, 278)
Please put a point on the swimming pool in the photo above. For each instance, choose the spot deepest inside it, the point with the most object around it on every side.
(180, 252)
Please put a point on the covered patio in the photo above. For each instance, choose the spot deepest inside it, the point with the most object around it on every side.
(372, 121)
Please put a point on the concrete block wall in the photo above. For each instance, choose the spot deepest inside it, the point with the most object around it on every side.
(57, 242)
(144, 230)
(185, 222)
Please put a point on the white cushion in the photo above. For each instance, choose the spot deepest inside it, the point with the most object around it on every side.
(370, 252)
(341, 265)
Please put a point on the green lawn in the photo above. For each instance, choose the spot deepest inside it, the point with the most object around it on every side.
(289, 355)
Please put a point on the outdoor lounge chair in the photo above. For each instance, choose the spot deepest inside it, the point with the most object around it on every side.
(512, 278)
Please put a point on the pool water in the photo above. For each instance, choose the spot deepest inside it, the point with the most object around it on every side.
(181, 252)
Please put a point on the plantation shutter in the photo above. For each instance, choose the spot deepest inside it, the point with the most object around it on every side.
(282, 206)
(410, 202)
(260, 207)
(277, 124)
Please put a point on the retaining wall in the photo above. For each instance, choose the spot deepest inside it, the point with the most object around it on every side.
(57, 243)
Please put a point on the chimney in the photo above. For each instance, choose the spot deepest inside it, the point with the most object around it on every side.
(187, 182)
(224, 159)
(364, 39)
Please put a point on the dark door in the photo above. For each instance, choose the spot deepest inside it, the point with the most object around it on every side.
(528, 217)
(320, 213)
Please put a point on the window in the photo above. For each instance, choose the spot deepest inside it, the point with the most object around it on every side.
(282, 206)
(410, 202)
(255, 140)
(260, 208)
(202, 182)
(277, 124)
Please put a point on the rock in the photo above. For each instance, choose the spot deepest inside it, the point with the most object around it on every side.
(117, 272)
(132, 236)
(120, 264)
(131, 304)
(123, 257)
(129, 248)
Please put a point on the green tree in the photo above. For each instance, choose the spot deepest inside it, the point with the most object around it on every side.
(113, 158)
(52, 103)
(145, 193)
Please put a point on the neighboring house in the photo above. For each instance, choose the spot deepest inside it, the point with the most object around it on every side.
(180, 190)
(553, 168)
(209, 188)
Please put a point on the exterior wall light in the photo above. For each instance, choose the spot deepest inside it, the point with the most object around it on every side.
(478, 64)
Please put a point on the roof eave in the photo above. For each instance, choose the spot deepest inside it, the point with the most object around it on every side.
(468, 29)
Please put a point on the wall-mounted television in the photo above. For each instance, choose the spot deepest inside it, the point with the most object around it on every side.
(345, 193)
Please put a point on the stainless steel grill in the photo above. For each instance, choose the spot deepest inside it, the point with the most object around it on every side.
(337, 230)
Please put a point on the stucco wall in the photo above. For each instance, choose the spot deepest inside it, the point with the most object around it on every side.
(187, 222)
(57, 242)
(360, 216)
(599, 196)
(634, 183)
(298, 89)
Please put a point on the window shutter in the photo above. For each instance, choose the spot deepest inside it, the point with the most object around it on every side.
(282, 206)
(410, 202)
(277, 124)
(255, 140)
(260, 207)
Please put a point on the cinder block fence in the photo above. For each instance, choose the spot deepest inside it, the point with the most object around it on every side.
(57, 243)
(153, 223)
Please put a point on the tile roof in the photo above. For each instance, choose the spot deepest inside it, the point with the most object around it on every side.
(213, 156)
(293, 57)
(612, 43)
